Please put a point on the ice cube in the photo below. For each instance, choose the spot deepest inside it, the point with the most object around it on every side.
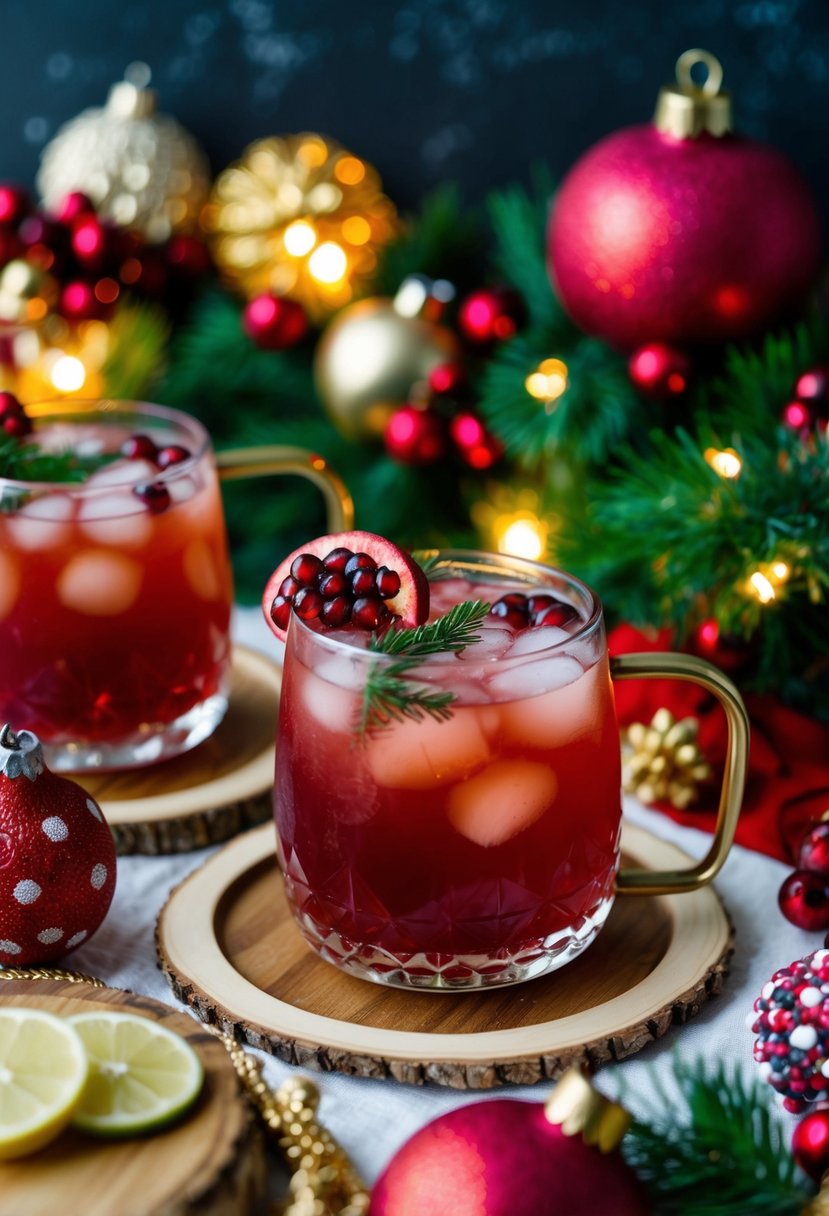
(42, 523)
(123, 473)
(574, 710)
(516, 681)
(329, 702)
(428, 754)
(501, 801)
(9, 583)
(530, 641)
(118, 518)
(201, 569)
(182, 489)
(493, 643)
(99, 583)
(445, 593)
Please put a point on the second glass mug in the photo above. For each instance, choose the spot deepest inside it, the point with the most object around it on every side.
(482, 850)
(115, 603)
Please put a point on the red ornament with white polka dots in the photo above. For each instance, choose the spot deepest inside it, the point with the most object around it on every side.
(57, 858)
(791, 1021)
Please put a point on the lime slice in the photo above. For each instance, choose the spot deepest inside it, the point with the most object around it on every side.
(141, 1075)
(43, 1070)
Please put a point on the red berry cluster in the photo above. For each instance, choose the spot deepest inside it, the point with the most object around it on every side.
(792, 1028)
(90, 261)
(339, 588)
(155, 494)
(808, 410)
(804, 896)
(14, 420)
(520, 611)
(422, 433)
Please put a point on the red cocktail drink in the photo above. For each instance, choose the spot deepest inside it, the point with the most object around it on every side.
(115, 593)
(478, 850)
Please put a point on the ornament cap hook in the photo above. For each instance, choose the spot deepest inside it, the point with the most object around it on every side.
(686, 109)
(579, 1109)
(131, 97)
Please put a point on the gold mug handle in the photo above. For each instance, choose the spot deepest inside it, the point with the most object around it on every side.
(696, 671)
(276, 459)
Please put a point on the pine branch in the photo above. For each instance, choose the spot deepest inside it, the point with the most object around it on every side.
(443, 241)
(592, 417)
(139, 334)
(387, 695)
(722, 1152)
(20, 461)
(519, 221)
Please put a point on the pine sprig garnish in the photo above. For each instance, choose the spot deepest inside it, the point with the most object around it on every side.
(388, 696)
(27, 462)
(716, 1151)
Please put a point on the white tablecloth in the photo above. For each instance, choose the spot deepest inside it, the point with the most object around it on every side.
(373, 1118)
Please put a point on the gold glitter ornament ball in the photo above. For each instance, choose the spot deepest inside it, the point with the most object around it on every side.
(141, 169)
(376, 355)
(299, 216)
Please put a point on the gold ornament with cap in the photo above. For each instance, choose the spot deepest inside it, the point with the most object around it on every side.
(376, 355)
(141, 169)
(299, 216)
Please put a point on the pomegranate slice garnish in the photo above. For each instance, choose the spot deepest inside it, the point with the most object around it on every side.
(351, 578)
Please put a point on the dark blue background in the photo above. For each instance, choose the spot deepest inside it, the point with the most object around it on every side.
(474, 90)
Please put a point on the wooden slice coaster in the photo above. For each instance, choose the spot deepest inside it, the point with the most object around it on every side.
(214, 791)
(231, 951)
(211, 1162)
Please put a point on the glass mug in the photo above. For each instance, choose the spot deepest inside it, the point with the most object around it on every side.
(482, 850)
(115, 603)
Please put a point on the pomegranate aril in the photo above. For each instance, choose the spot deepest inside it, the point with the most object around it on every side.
(362, 582)
(308, 604)
(305, 568)
(537, 603)
(387, 582)
(333, 584)
(369, 613)
(336, 611)
(515, 599)
(156, 497)
(174, 453)
(289, 586)
(281, 611)
(512, 609)
(558, 615)
(139, 447)
(336, 560)
(359, 561)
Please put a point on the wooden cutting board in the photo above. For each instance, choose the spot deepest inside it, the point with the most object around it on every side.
(211, 793)
(209, 1164)
(229, 946)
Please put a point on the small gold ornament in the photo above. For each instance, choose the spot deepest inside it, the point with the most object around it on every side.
(377, 354)
(662, 762)
(302, 217)
(26, 293)
(141, 169)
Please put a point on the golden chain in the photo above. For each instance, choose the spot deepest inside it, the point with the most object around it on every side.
(49, 973)
(323, 1181)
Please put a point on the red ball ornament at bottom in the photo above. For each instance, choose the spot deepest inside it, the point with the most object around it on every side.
(274, 322)
(659, 370)
(415, 436)
(505, 1158)
(810, 1143)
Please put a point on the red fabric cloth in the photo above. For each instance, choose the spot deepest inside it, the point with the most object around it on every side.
(788, 779)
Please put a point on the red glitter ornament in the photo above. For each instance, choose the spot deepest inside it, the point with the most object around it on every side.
(415, 436)
(476, 447)
(274, 322)
(791, 1021)
(810, 1143)
(507, 1158)
(659, 370)
(92, 242)
(492, 314)
(681, 231)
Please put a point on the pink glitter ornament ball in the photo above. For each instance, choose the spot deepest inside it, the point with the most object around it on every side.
(506, 1158)
(680, 231)
(791, 1021)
